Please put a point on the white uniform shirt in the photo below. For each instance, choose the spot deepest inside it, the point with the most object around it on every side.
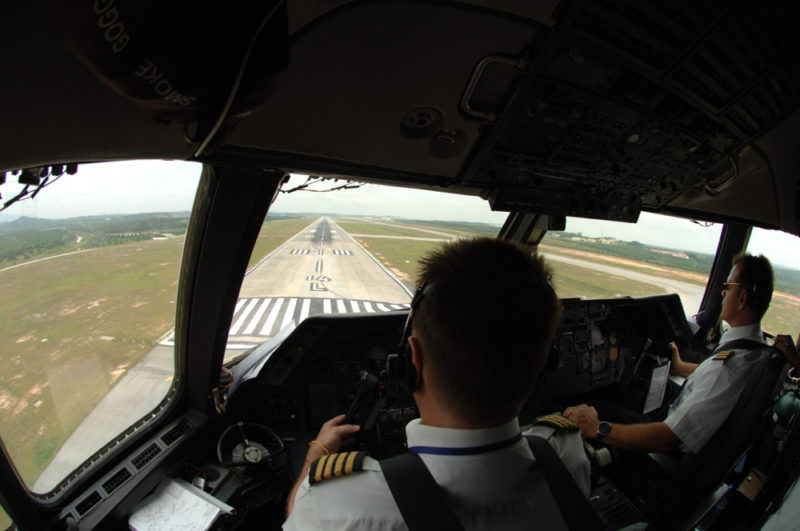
(487, 489)
(712, 390)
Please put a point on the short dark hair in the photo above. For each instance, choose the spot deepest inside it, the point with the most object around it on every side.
(755, 273)
(486, 323)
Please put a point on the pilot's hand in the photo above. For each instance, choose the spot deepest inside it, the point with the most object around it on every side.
(333, 435)
(586, 418)
(677, 361)
(785, 344)
(678, 366)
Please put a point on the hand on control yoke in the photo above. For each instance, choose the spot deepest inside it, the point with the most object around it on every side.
(333, 436)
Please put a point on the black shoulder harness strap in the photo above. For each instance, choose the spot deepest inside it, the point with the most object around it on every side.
(423, 504)
(573, 505)
(420, 499)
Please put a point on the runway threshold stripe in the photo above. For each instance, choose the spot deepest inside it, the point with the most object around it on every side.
(340, 307)
(369, 307)
(239, 305)
(287, 317)
(251, 326)
(382, 308)
(266, 330)
(243, 317)
(326, 306)
(304, 310)
(354, 306)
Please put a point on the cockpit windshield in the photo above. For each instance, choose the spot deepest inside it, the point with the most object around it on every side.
(331, 248)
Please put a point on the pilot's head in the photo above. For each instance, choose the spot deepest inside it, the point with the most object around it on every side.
(748, 290)
(485, 326)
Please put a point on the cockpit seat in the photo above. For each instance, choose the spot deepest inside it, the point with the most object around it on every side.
(689, 485)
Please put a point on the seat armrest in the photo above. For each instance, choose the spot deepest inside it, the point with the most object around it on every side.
(667, 464)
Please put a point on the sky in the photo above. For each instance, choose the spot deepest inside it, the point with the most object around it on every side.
(162, 186)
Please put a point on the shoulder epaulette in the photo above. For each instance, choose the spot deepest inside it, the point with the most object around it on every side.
(723, 355)
(335, 465)
(559, 422)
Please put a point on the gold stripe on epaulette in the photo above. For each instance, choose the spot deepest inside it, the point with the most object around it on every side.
(723, 355)
(315, 473)
(338, 468)
(329, 466)
(557, 421)
(351, 459)
(335, 465)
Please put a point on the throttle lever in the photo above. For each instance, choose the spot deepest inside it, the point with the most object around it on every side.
(366, 382)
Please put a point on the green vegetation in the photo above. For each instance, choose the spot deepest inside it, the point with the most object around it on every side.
(274, 232)
(782, 316)
(401, 257)
(27, 238)
(5, 520)
(638, 252)
(384, 228)
(474, 229)
(72, 326)
(573, 281)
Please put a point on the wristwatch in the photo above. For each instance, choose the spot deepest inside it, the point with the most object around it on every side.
(603, 429)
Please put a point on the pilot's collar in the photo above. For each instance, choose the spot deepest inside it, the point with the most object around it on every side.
(424, 439)
(751, 331)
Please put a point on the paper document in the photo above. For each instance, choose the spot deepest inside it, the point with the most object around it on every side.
(658, 385)
(176, 505)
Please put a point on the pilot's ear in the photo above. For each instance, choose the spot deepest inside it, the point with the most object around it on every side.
(743, 297)
(416, 357)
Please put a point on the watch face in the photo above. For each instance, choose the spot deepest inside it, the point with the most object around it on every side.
(603, 429)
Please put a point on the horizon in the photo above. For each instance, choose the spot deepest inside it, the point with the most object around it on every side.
(163, 187)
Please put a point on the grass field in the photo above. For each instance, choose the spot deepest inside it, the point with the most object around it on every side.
(397, 228)
(72, 326)
(274, 233)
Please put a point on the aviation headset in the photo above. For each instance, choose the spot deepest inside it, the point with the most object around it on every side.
(399, 366)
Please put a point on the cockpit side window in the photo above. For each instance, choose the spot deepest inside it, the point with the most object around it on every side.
(89, 270)
(783, 251)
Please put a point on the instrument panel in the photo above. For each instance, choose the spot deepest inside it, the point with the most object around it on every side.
(317, 372)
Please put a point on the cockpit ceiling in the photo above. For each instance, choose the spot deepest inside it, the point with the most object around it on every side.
(585, 108)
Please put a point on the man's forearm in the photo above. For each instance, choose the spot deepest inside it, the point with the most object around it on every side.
(684, 368)
(649, 437)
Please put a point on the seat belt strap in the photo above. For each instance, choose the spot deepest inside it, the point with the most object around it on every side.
(420, 499)
(423, 504)
(573, 505)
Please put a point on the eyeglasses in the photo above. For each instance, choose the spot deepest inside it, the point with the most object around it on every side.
(726, 285)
